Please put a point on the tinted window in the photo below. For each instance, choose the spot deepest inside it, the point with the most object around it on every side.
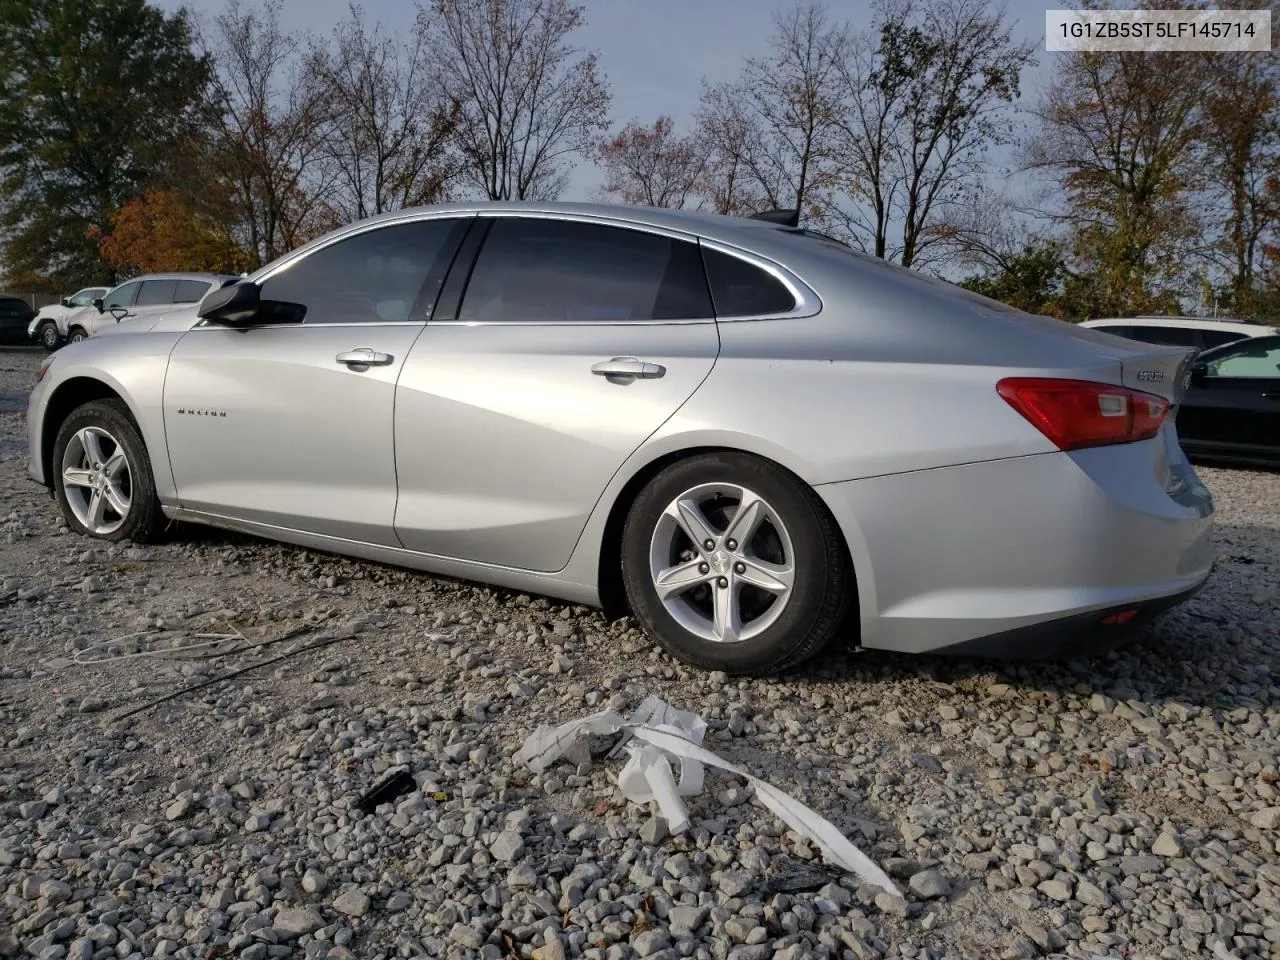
(1247, 361)
(1218, 338)
(191, 291)
(370, 278)
(123, 296)
(565, 272)
(13, 307)
(742, 289)
(1114, 329)
(156, 292)
(1173, 336)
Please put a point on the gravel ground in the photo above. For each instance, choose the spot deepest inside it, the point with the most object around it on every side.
(1121, 807)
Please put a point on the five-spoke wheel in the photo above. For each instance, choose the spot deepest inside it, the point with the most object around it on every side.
(733, 563)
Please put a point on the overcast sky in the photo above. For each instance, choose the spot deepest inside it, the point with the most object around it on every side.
(655, 53)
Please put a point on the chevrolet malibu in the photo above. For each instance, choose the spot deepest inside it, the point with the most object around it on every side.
(742, 433)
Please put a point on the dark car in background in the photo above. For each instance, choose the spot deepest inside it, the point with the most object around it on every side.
(15, 314)
(1231, 412)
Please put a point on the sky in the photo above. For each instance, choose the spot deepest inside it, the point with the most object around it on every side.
(655, 53)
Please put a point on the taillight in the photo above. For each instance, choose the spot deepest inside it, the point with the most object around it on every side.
(1080, 413)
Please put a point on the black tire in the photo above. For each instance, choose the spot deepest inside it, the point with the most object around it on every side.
(144, 522)
(821, 591)
(76, 334)
(47, 334)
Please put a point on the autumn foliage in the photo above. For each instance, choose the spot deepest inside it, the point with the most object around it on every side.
(158, 231)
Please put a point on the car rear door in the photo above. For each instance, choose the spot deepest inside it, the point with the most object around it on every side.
(290, 423)
(574, 341)
(1233, 405)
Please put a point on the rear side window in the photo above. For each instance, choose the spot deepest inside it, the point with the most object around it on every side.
(1218, 338)
(190, 291)
(1115, 330)
(1172, 336)
(374, 277)
(561, 271)
(156, 292)
(741, 289)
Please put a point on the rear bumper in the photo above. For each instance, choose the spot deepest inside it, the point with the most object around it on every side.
(1016, 555)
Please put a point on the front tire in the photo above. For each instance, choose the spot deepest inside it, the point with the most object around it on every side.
(102, 476)
(734, 564)
(48, 336)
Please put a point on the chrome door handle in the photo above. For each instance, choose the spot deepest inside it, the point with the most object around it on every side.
(364, 357)
(630, 367)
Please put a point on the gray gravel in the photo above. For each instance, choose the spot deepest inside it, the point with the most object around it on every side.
(1127, 806)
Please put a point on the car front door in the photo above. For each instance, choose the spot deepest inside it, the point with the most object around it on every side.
(290, 423)
(1233, 405)
(119, 300)
(573, 343)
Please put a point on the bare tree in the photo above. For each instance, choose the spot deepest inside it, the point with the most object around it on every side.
(725, 133)
(775, 127)
(388, 127)
(529, 100)
(930, 92)
(268, 141)
(654, 165)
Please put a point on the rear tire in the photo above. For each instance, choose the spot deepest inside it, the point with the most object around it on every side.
(102, 475)
(732, 563)
(76, 335)
(47, 334)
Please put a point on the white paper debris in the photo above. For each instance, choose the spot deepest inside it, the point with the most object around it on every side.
(656, 736)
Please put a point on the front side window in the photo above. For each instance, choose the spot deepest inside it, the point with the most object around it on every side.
(190, 291)
(741, 289)
(82, 298)
(563, 271)
(156, 293)
(385, 275)
(122, 296)
(1248, 361)
(1219, 338)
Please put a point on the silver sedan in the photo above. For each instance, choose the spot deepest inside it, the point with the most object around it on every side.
(744, 434)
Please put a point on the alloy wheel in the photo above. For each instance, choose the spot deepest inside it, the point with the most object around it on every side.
(49, 336)
(722, 562)
(98, 480)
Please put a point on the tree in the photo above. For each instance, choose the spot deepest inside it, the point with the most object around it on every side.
(1123, 132)
(160, 232)
(387, 127)
(1031, 279)
(98, 96)
(653, 165)
(775, 127)
(269, 141)
(930, 96)
(529, 100)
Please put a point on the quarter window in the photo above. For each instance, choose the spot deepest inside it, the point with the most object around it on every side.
(156, 292)
(563, 271)
(741, 289)
(385, 275)
(190, 291)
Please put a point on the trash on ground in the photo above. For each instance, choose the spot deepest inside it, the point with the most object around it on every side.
(658, 735)
(386, 790)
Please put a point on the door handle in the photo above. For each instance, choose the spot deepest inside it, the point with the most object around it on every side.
(364, 357)
(628, 367)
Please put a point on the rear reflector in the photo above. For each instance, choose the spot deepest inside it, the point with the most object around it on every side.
(1081, 413)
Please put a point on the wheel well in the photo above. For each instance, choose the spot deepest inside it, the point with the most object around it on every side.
(69, 395)
(613, 594)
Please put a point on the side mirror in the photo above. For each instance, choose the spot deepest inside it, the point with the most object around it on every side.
(1198, 371)
(235, 305)
(97, 302)
(119, 313)
(65, 301)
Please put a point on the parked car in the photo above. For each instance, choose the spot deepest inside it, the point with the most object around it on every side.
(1232, 410)
(1201, 333)
(49, 325)
(148, 296)
(743, 433)
(15, 314)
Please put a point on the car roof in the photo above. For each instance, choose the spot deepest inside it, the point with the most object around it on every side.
(211, 277)
(1190, 323)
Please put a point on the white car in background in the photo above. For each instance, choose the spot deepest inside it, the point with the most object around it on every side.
(1200, 333)
(149, 296)
(49, 325)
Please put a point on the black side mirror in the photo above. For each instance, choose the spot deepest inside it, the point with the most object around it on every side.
(236, 305)
(97, 302)
(1198, 371)
(119, 313)
(65, 301)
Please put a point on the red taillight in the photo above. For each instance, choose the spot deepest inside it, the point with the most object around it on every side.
(1080, 413)
(1124, 616)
